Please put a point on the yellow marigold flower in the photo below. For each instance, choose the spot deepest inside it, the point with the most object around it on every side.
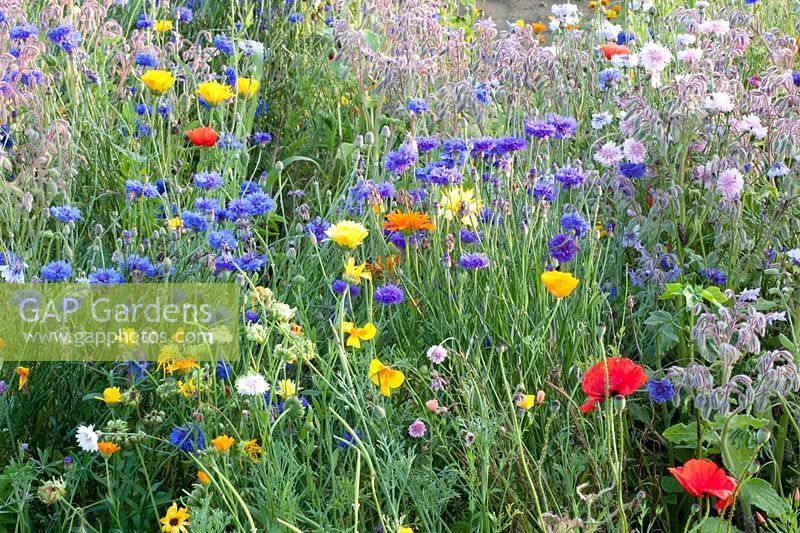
(175, 223)
(23, 372)
(354, 274)
(592, 5)
(214, 93)
(222, 443)
(158, 81)
(462, 204)
(111, 395)
(182, 365)
(559, 284)
(611, 14)
(356, 335)
(252, 450)
(203, 478)
(107, 448)
(407, 223)
(347, 233)
(385, 377)
(247, 87)
(163, 26)
(187, 389)
(404, 529)
(526, 402)
(176, 520)
(286, 388)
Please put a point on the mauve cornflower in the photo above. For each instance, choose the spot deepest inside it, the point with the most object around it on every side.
(609, 154)
(417, 429)
(633, 171)
(716, 277)
(388, 295)
(105, 276)
(56, 271)
(475, 261)
(207, 180)
(714, 27)
(653, 57)
(730, 184)
(402, 159)
(570, 177)
(563, 247)
(574, 222)
(437, 354)
(539, 129)
(418, 105)
(65, 213)
(565, 126)
(660, 390)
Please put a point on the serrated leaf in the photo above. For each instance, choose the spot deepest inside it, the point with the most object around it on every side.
(712, 524)
(759, 493)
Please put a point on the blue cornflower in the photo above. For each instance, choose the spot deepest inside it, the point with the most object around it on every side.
(506, 145)
(418, 105)
(56, 271)
(544, 189)
(575, 223)
(223, 43)
(563, 247)
(229, 141)
(196, 222)
(222, 240)
(206, 205)
(625, 38)
(296, 17)
(105, 276)
(184, 14)
(316, 228)
(388, 295)
(469, 237)
(251, 262)
(633, 171)
(262, 137)
(65, 213)
(476, 261)
(481, 146)
(207, 180)
(259, 203)
(402, 159)
(348, 439)
(238, 208)
(136, 369)
(59, 33)
(426, 144)
(660, 390)
(142, 23)
(188, 438)
(223, 370)
(248, 187)
(565, 126)
(608, 79)
(138, 265)
(539, 129)
(22, 32)
(570, 177)
(146, 59)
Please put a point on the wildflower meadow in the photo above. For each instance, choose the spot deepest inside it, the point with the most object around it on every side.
(454, 274)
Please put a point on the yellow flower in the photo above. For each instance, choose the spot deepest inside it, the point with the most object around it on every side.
(404, 529)
(23, 372)
(286, 388)
(111, 395)
(519, 23)
(526, 402)
(462, 204)
(252, 449)
(214, 92)
(187, 389)
(158, 81)
(247, 87)
(128, 337)
(385, 377)
(175, 223)
(203, 478)
(163, 26)
(176, 520)
(559, 284)
(356, 335)
(107, 448)
(354, 274)
(347, 233)
(182, 365)
(222, 443)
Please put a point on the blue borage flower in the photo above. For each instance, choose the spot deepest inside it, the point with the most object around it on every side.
(716, 277)
(188, 438)
(56, 271)
(388, 295)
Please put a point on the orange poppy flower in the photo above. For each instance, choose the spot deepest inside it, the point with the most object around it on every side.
(613, 49)
(407, 223)
(204, 136)
(538, 27)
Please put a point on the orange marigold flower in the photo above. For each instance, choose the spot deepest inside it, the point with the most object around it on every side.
(222, 443)
(203, 478)
(407, 223)
(107, 448)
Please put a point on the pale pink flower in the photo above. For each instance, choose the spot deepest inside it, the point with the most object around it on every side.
(437, 354)
(730, 184)
(714, 27)
(690, 55)
(653, 57)
(608, 155)
(719, 102)
(417, 429)
(634, 150)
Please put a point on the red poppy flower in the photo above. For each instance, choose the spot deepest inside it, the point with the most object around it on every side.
(612, 49)
(701, 477)
(202, 136)
(624, 377)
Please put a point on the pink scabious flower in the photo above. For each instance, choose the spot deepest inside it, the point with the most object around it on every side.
(608, 155)
(437, 354)
(654, 57)
(417, 429)
(714, 27)
(634, 150)
(730, 184)
(719, 102)
(690, 55)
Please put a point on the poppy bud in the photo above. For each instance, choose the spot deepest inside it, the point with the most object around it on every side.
(619, 402)
(540, 397)
(760, 519)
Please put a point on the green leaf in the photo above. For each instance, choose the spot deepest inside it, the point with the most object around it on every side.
(670, 484)
(786, 343)
(759, 493)
(743, 421)
(672, 290)
(714, 295)
(713, 524)
(685, 435)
